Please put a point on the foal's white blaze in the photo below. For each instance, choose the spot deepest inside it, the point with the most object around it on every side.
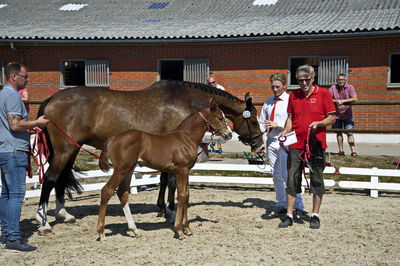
(131, 223)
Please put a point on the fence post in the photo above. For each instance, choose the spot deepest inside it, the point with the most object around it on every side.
(374, 181)
(136, 175)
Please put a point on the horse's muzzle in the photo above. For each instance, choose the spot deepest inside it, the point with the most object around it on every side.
(227, 135)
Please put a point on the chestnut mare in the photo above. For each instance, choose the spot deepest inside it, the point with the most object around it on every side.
(174, 151)
(91, 115)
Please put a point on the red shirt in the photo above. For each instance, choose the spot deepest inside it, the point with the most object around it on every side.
(304, 111)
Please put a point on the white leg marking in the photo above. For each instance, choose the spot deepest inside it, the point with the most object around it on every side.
(41, 218)
(61, 213)
(131, 223)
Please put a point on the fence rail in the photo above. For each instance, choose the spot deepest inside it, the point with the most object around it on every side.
(146, 178)
(374, 184)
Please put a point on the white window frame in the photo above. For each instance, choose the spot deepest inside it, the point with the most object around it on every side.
(93, 78)
(390, 83)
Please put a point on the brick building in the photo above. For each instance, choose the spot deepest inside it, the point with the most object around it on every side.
(128, 45)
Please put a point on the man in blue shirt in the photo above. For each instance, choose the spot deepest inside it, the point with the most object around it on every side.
(14, 148)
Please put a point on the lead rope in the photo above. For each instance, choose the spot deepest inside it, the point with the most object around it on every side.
(72, 140)
(304, 155)
(42, 151)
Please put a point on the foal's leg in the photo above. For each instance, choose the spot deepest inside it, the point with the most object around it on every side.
(106, 193)
(186, 227)
(182, 176)
(123, 195)
(161, 194)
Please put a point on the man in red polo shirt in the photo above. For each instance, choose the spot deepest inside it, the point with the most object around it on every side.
(310, 108)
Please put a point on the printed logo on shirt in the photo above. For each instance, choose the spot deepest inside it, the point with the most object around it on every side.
(313, 100)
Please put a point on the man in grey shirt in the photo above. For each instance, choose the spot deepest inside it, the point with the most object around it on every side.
(14, 148)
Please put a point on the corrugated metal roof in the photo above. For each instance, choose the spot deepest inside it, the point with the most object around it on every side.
(180, 19)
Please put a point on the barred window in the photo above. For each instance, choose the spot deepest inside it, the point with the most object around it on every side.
(394, 70)
(90, 73)
(196, 70)
(330, 67)
(326, 68)
(193, 70)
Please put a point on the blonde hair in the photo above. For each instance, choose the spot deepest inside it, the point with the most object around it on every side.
(278, 76)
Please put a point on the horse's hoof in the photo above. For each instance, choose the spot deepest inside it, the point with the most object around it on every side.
(65, 217)
(70, 220)
(179, 236)
(136, 232)
(45, 230)
(161, 214)
(188, 232)
(102, 237)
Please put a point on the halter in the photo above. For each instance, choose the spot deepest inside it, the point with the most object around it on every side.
(246, 115)
(210, 127)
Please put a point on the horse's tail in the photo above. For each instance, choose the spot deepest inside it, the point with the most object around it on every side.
(103, 161)
(67, 180)
(43, 106)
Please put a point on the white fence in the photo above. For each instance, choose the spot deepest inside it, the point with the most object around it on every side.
(374, 185)
(150, 179)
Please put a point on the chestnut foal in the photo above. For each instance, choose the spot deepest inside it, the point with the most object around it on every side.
(175, 151)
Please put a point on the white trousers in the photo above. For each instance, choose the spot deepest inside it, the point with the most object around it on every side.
(278, 160)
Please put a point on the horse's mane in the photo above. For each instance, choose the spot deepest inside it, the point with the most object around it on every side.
(180, 84)
(208, 89)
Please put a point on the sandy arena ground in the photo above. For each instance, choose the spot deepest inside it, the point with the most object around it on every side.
(232, 226)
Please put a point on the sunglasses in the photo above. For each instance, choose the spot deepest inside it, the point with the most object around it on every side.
(23, 76)
(209, 83)
(302, 80)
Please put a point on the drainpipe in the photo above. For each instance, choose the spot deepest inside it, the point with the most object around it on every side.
(21, 55)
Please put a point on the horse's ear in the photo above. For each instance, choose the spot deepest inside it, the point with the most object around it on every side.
(247, 96)
(249, 101)
(213, 104)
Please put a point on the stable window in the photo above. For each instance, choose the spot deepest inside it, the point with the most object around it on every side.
(193, 70)
(394, 70)
(326, 68)
(89, 73)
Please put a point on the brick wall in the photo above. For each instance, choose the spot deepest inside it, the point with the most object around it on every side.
(239, 67)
